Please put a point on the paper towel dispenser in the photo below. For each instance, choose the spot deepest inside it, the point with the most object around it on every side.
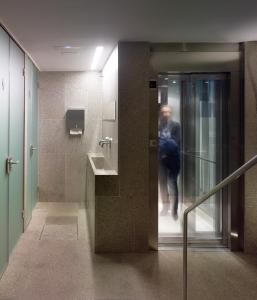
(75, 121)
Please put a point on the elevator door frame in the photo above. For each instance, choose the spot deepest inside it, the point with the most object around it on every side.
(199, 239)
(202, 58)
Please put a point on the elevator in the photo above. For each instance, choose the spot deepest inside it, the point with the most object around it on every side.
(200, 84)
(197, 103)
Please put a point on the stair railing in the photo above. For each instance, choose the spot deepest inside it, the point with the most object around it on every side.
(234, 176)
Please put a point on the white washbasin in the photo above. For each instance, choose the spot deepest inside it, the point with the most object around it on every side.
(100, 165)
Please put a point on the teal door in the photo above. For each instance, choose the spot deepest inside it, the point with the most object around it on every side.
(11, 145)
(4, 119)
(31, 141)
(16, 144)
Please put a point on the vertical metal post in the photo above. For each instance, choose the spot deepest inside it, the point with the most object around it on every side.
(185, 221)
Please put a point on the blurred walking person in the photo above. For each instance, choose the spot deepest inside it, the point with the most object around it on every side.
(169, 160)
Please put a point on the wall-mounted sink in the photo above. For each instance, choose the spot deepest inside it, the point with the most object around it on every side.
(102, 195)
(99, 165)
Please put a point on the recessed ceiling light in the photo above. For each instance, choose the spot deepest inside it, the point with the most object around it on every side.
(70, 52)
(97, 56)
(66, 47)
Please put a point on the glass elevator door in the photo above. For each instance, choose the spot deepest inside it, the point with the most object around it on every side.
(193, 106)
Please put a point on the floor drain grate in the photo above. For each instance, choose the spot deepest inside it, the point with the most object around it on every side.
(60, 228)
(61, 220)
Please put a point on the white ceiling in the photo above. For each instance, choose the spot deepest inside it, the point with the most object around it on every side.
(41, 25)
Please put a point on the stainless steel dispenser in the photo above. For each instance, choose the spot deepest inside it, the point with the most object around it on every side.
(75, 121)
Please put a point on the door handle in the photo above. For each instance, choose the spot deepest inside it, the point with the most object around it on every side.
(14, 162)
(9, 163)
(32, 149)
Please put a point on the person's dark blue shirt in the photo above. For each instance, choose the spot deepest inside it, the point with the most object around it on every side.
(169, 154)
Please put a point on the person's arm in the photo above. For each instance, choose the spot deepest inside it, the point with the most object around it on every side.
(177, 136)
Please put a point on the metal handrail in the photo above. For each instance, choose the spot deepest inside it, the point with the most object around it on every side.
(199, 157)
(235, 175)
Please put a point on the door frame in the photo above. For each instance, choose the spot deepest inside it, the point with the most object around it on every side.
(198, 238)
(199, 58)
(30, 139)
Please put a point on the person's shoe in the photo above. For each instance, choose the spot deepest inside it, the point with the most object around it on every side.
(175, 215)
(165, 210)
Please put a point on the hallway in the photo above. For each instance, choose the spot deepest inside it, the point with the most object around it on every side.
(53, 261)
(126, 128)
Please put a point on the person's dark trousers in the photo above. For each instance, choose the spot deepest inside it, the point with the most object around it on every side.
(168, 182)
(163, 183)
(173, 190)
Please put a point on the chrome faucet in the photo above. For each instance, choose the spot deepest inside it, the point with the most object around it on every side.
(106, 141)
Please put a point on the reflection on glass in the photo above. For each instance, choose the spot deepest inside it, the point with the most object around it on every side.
(190, 153)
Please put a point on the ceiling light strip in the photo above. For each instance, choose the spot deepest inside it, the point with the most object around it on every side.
(97, 56)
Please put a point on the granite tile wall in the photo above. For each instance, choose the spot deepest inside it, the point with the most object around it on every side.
(62, 159)
(90, 203)
(121, 222)
(110, 94)
(250, 146)
(133, 113)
